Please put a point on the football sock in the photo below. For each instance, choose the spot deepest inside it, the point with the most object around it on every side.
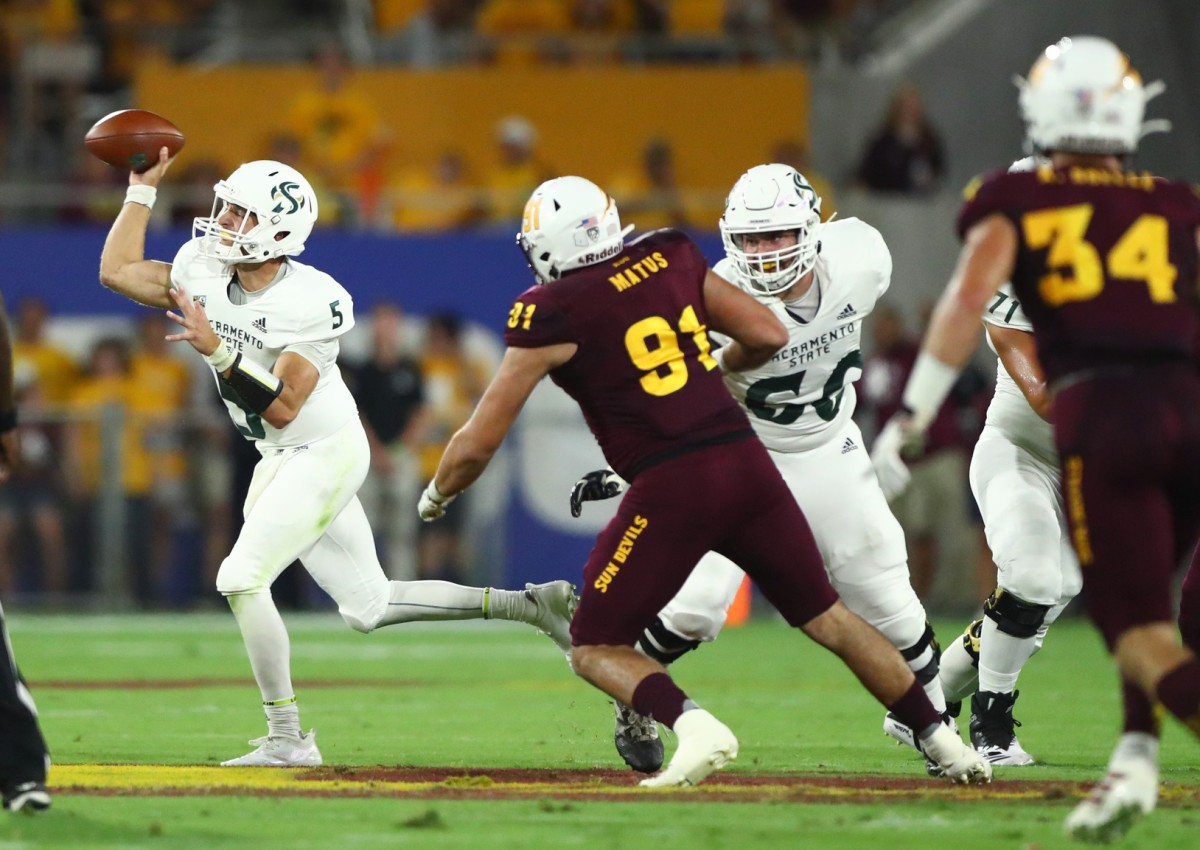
(659, 697)
(957, 673)
(1179, 691)
(412, 601)
(1139, 711)
(266, 641)
(1138, 745)
(915, 711)
(283, 717)
(1001, 657)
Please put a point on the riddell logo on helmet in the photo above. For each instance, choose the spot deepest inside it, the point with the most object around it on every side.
(603, 254)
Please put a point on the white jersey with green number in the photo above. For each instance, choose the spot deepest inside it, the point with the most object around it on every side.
(805, 392)
(1009, 412)
(304, 311)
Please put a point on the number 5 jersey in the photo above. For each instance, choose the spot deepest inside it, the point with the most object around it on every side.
(304, 311)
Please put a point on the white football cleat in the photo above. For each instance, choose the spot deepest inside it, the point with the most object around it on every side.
(1127, 792)
(958, 761)
(705, 746)
(556, 602)
(280, 751)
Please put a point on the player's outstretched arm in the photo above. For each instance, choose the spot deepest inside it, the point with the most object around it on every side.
(123, 266)
(473, 445)
(755, 330)
(1018, 352)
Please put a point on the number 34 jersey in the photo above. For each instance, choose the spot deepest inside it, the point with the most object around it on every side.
(305, 311)
(1106, 264)
(805, 393)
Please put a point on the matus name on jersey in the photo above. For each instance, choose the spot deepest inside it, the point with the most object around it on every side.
(810, 349)
(237, 338)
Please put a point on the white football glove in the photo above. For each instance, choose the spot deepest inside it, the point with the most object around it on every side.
(432, 504)
(890, 468)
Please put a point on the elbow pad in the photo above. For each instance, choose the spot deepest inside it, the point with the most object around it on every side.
(254, 385)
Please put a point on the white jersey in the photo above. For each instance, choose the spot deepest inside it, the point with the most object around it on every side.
(805, 393)
(305, 311)
(1009, 412)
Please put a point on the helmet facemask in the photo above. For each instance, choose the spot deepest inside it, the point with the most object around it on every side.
(284, 209)
(772, 199)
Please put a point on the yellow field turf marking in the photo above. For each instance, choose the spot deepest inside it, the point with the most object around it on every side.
(208, 779)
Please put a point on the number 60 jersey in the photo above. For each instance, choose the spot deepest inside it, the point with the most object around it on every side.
(805, 393)
(304, 310)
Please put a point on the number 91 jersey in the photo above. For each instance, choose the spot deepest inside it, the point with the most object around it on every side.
(305, 311)
(643, 373)
(802, 396)
(1106, 262)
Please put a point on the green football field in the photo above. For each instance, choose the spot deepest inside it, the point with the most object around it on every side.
(478, 736)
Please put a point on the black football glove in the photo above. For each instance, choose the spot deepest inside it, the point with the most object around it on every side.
(596, 485)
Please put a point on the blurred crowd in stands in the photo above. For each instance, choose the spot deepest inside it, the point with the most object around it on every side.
(65, 63)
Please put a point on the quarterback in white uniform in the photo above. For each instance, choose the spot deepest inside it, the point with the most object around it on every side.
(821, 280)
(269, 327)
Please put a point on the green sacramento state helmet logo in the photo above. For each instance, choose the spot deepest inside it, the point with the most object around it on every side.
(292, 202)
(803, 186)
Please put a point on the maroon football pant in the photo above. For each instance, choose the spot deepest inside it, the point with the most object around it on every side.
(728, 498)
(1129, 447)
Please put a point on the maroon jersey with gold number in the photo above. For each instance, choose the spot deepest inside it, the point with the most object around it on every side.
(644, 374)
(1106, 265)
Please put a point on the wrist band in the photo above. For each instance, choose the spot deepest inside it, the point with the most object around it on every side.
(141, 194)
(928, 386)
(435, 495)
(221, 358)
(8, 421)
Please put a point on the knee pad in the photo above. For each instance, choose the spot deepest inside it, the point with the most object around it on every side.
(663, 645)
(1014, 616)
(970, 640)
(928, 641)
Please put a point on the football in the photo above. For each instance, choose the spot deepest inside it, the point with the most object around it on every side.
(131, 139)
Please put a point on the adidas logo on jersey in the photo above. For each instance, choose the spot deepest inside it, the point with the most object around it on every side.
(847, 312)
(849, 445)
(260, 324)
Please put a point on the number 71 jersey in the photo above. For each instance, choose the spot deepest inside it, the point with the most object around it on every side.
(801, 397)
(304, 310)
(1106, 264)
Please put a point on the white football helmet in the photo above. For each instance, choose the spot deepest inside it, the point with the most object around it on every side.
(283, 203)
(569, 222)
(1082, 96)
(766, 199)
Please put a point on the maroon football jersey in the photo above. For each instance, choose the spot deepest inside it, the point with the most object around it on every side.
(1106, 265)
(644, 373)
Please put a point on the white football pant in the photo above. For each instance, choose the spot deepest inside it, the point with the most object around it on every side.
(861, 542)
(1018, 496)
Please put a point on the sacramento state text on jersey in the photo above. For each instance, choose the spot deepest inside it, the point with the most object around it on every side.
(235, 337)
(800, 396)
(811, 349)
